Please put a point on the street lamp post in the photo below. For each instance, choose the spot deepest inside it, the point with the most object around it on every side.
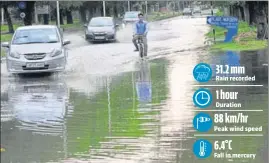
(104, 8)
(58, 13)
(146, 3)
(2, 16)
(129, 6)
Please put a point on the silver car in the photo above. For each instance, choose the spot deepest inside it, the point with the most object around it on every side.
(130, 17)
(187, 11)
(35, 49)
(101, 29)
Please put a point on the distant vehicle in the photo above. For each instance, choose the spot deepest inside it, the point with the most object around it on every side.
(101, 29)
(130, 17)
(187, 11)
(36, 49)
(197, 10)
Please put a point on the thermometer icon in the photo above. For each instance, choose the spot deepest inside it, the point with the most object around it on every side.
(202, 148)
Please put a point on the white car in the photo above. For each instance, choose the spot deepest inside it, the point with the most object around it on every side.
(35, 49)
(130, 17)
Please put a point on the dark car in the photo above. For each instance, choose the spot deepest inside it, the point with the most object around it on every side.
(101, 29)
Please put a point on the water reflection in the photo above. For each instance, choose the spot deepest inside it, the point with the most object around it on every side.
(143, 83)
(141, 116)
(36, 131)
(252, 61)
(230, 58)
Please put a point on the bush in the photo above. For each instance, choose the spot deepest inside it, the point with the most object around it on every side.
(219, 13)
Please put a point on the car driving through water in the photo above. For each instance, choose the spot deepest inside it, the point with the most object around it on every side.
(35, 49)
(130, 17)
(101, 29)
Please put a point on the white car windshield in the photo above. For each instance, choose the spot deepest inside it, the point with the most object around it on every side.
(101, 22)
(131, 15)
(29, 36)
(187, 9)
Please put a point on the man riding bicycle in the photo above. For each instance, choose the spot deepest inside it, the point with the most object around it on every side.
(141, 29)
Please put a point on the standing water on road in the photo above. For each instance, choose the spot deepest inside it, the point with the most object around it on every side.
(110, 108)
(55, 122)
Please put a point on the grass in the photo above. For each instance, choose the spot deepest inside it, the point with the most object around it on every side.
(156, 16)
(6, 37)
(3, 53)
(245, 39)
(241, 46)
(4, 28)
(76, 24)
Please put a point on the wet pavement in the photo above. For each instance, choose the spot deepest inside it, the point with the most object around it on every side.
(109, 107)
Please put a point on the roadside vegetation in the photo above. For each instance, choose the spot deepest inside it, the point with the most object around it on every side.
(245, 39)
(248, 37)
(156, 16)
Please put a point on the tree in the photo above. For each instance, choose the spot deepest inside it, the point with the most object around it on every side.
(29, 10)
(68, 7)
(252, 12)
(4, 5)
(45, 16)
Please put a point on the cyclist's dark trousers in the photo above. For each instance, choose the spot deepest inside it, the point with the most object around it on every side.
(145, 43)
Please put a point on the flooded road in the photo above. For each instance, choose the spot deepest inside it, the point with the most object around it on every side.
(108, 107)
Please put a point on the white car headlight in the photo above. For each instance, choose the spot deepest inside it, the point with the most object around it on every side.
(56, 52)
(14, 55)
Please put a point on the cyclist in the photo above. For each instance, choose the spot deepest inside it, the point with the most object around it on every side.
(141, 28)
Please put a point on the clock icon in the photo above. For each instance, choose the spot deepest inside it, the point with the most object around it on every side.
(202, 98)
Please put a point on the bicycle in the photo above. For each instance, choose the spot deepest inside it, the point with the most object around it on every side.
(141, 46)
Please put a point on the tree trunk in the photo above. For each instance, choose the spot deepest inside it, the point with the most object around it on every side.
(61, 17)
(246, 13)
(242, 15)
(82, 13)
(46, 19)
(261, 20)
(90, 14)
(29, 13)
(252, 12)
(69, 17)
(9, 21)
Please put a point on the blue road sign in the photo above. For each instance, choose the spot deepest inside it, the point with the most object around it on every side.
(22, 5)
(228, 22)
(202, 149)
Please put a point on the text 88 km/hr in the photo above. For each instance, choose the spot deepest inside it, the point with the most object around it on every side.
(226, 118)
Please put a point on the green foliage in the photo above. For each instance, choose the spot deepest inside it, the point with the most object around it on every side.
(241, 46)
(6, 37)
(219, 13)
(219, 31)
(156, 16)
(246, 43)
(3, 53)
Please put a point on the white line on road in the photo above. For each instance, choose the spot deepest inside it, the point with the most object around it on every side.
(224, 135)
